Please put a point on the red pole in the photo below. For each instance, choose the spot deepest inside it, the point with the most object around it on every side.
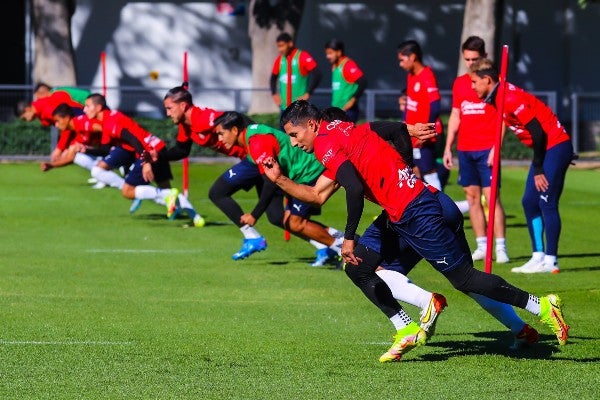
(103, 71)
(496, 163)
(186, 161)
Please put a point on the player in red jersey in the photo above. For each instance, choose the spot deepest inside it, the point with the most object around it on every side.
(473, 121)
(422, 105)
(367, 166)
(42, 107)
(294, 71)
(143, 153)
(536, 126)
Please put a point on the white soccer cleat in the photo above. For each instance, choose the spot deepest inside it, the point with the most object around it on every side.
(536, 266)
(502, 256)
(478, 254)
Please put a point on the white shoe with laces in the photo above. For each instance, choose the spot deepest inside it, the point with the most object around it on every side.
(478, 254)
(502, 256)
(534, 266)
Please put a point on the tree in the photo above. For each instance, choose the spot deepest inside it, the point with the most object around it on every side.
(267, 19)
(53, 59)
(479, 20)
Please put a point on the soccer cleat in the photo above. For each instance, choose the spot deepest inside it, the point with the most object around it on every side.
(428, 316)
(406, 339)
(171, 201)
(525, 338)
(99, 185)
(478, 254)
(551, 315)
(502, 256)
(324, 256)
(250, 246)
(550, 267)
(534, 266)
(135, 205)
(199, 222)
(92, 180)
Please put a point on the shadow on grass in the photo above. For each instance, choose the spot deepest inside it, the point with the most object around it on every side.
(497, 343)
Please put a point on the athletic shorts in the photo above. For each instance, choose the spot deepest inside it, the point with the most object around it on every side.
(244, 175)
(119, 157)
(431, 228)
(424, 158)
(300, 208)
(161, 169)
(473, 169)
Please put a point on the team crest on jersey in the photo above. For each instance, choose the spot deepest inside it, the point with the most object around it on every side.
(335, 124)
(406, 175)
(417, 86)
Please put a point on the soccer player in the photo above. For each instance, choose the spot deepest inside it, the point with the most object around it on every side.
(367, 166)
(42, 107)
(294, 71)
(261, 141)
(348, 82)
(422, 105)
(536, 126)
(473, 121)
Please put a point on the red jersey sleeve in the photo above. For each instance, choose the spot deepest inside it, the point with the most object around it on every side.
(518, 105)
(65, 139)
(351, 72)
(433, 92)
(261, 147)
(329, 154)
(307, 63)
(276, 65)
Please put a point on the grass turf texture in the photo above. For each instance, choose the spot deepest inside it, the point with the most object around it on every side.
(97, 303)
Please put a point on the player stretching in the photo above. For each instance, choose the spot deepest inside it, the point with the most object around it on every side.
(536, 126)
(367, 166)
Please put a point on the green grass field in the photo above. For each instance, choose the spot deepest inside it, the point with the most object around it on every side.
(99, 304)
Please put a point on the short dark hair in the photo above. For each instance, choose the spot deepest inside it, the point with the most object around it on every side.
(229, 119)
(21, 107)
(335, 44)
(63, 110)
(409, 47)
(332, 113)
(98, 99)
(300, 111)
(284, 37)
(485, 67)
(474, 43)
(179, 94)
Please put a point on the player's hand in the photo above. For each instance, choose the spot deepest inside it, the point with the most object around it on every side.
(422, 131)
(348, 252)
(45, 166)
(153, 155)
(78, 147)
(248, 219)
(277, 100)
(147, 172)
(541, 183)
(447, 159)
(271, 168)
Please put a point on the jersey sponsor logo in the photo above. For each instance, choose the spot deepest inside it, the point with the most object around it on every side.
(335, 124)
(411, 104)
(519, 109)
(327, 156)
(406, 176)
(471, 108)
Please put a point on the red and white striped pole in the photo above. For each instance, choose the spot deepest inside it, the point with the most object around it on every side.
(103, 72)
(186, 161)
(496, 163)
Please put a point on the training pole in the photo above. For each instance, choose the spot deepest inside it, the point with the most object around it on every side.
(186, 161)
(103, 71)
(497, 157)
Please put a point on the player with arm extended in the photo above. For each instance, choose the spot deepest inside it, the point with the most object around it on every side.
(262, 141)
(368, 167)
(536, 126)
(348, 82)
(422, 105)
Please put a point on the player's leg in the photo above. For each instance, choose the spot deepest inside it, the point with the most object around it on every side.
(102, 171)
(424, 158)
(470, 181)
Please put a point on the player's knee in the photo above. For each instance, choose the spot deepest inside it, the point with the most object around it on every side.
(128, 191)
(461, 277)
(96, 171)
(370, 261)
(295, 224)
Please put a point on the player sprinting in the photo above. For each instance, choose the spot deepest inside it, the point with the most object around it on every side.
(367, 166)
(536, 126)
(45, 103)
(262, 141)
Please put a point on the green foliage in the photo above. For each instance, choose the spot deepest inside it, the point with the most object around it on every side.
(24, 138)
(100, 304)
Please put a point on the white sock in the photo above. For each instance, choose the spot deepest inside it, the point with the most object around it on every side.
(108, 177)
(84, 161)
(401, 320)
(337, 244)
(434, 180)
(335, 233)
(538, 256)
(500, 244)
(549, 260)
(463, 206)
(186, 205)
(249, 232)
(481, 242)
(318, 245)
(146, 192)
(501, 311)
(404, 290)
(533, 305)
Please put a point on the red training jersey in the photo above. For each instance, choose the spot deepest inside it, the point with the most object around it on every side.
(45, 106)
(306, 62)
(113, 123)
(520, 107)
(388, 181)
(201, 131)
(82, 132)
(350, 71)
(421, 90)
(477, 118)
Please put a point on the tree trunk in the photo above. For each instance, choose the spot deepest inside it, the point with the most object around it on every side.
(267, 19)
(53, 61)
(479, 20)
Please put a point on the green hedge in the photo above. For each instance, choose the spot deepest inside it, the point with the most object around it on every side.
(30, 138)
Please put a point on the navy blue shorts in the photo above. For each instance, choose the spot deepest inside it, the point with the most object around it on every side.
(119, 157)
(473, 169)
(161, 169)
(424, 158)
(431, 228)
(244, 175)
(300, 208)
